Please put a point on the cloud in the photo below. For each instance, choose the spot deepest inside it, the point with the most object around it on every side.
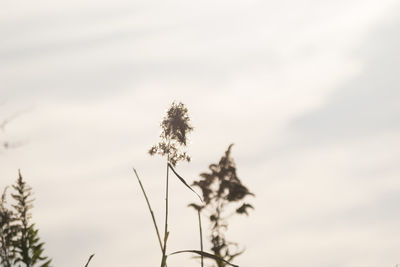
(264, 75)
(365, 105)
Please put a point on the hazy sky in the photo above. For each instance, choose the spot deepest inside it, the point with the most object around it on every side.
(307, 90)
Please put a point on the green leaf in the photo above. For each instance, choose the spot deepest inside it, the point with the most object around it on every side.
(183, 181)
(204, 254)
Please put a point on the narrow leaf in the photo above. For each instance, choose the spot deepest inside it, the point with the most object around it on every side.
(90, 258)
(204, 254)
(150, 209)
(183, 181)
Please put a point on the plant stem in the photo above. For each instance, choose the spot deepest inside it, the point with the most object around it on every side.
(163, 260)
(151, 211)
(201, 238)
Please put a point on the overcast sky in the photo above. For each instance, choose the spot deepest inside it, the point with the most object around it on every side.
(307, 90)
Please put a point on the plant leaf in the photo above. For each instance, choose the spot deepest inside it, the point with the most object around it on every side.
(183, 181)
(150, 209)
(90, 258)
(204, 254)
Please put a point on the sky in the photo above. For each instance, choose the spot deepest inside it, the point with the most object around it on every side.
(307, 90)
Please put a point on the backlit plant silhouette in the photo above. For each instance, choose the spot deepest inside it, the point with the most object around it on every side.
(8, 232)
(223, 195)
(175, 127)
(20, 242)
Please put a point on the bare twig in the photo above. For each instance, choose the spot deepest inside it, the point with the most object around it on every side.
(10, 118)
(3, 123)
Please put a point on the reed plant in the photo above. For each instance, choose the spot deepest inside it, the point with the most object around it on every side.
(175, 128)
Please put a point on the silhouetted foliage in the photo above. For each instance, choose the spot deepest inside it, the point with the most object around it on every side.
(223, 192)
(8, 232)
(175, 127)
(20, 241)
(28, 246)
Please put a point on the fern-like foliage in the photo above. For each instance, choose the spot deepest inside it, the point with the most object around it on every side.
(8, 232)
(28, 247)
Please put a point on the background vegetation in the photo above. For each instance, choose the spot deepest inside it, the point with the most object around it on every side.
(21, 245)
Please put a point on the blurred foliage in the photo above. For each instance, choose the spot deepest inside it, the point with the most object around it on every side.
(20, 242)
(223, 195)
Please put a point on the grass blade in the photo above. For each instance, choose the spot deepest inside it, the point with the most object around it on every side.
(204, 254)
(90, 258)
(183, 181)
(151, 211)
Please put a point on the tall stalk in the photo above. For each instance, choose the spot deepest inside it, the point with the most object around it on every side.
(199, 208)
(163, 259)
(175, 126)
(201, 238)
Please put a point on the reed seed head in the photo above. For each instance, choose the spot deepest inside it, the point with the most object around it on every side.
(174, 136)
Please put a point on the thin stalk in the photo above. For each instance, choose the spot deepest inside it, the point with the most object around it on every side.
(163, 260)
(150, 209)
(201, 238)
